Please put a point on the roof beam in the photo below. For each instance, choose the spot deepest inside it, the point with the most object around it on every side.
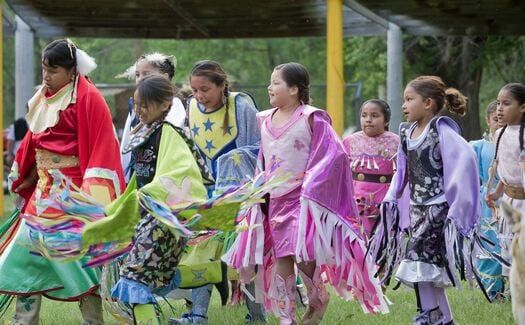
(182, 13)
(367, 13)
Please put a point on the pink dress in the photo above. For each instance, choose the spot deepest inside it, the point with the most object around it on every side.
(373, 163)
(282, 145)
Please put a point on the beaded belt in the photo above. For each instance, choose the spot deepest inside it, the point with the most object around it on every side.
(50, 160)
(372, 178)
(515, 192)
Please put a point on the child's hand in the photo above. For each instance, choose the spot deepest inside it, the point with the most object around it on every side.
(491, 199)
(30, 180)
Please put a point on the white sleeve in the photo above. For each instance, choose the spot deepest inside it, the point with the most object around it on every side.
(177, 113)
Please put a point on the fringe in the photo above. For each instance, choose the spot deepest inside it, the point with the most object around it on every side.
(9, 229)
(387, 240)
(340, 254)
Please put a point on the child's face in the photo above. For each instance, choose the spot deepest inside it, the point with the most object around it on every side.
(372, 120)
(415, 107)
(279, 92)
(207, 93)
(144, 68)
(150, 113)
(492, 122)
(509, 110)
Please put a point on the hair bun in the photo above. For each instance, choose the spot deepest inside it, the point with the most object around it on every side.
(455, 101)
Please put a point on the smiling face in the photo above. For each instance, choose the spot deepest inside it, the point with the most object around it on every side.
(207, 93)
(372, 120)
(415, 107)
(280, 94)
(151, 112)
(509, 110)
(55, 78)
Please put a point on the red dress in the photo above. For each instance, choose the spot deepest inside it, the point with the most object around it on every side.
(77, 139)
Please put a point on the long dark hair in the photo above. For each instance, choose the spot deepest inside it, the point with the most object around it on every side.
(60, 53)
(213, 71)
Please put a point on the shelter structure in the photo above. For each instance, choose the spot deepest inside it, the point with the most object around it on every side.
(333, 19)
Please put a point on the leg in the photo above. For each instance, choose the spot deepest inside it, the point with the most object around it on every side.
(256, 310)
(27, 310)
(318, 297)
(430, 313)
(91, 310)
(301, 291)
(444, 306)
(145, 315)
(284, 295)
(200, 302)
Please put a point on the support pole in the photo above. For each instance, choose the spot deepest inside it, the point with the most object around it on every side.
(24, 66)
(394, 74)
(335, 85)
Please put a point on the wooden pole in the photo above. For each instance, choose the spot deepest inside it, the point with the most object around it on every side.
(335, 85)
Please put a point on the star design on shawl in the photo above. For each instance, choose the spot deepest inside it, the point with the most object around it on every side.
(195, 129)
(177, 194)
(208, 125)
(209, 145)
(236, 157)
(198, 275)
(228, 129)
(298, 145)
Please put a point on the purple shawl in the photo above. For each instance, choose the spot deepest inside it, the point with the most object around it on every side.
(460, 178)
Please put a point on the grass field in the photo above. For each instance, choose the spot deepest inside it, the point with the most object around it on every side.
(468, 306)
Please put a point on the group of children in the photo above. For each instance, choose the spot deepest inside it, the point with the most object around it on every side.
(337, 198)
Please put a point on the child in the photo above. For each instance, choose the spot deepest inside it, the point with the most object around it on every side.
(306, 225)
(488, 267)
(436, 188)
(509, 156)
(371, 153)
(70, 131)
(223, 124)
(162, 157)
(154, 63)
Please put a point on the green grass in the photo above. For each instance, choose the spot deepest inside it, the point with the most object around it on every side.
(468, 306)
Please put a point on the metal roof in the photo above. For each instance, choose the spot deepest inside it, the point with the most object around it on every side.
(184, 19)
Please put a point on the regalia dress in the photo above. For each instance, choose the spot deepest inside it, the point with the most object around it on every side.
(163, 160)
(488, 267)
(434, 196)
(310, 217)
(373, 164)
(70, 132)
(512, 176)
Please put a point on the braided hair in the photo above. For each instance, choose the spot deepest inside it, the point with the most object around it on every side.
(517, 91)
(213, 71)
(295, 74)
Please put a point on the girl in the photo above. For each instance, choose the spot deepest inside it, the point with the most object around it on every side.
(70, 130)
(509, 155)
(371, 153)
(223, 125)
(298, 220)
(154, 63)
(488, 267)
(436, 188)
(165, 169)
